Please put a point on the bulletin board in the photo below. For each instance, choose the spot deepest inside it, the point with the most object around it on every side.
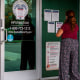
(62, 6)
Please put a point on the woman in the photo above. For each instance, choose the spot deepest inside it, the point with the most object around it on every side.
(68, 69)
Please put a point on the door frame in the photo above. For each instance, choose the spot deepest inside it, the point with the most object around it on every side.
(79, 33)
(27, 74)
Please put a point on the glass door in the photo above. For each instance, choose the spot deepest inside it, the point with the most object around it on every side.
(20, 46)
(21, 50)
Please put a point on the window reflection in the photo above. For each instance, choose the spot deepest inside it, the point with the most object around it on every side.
(28, 45)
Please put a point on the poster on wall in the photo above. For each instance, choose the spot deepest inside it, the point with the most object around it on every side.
(20, 23)
(47, 14)
(51, 27)
(55, 15)
(58, 26)
(52, 55)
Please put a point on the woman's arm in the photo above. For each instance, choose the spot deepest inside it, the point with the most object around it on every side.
(59, 33)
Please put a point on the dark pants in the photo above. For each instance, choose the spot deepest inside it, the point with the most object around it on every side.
(68, 69)
(27, 55)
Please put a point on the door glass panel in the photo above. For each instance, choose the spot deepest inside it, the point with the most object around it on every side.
(20, 22)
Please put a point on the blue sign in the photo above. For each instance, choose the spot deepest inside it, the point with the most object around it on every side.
(10, 38)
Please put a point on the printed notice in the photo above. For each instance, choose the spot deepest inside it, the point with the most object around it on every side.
(47, 15)
(58, 25)
(20, 14)
(52, 55)
(55, 15)
(51, 27)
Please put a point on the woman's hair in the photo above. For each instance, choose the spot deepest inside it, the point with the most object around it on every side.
(71, 18)
(70, 13)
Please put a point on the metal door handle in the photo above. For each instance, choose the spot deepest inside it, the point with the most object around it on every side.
(6, 34)
(1, 41)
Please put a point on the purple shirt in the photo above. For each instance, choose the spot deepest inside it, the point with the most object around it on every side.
(67, 33)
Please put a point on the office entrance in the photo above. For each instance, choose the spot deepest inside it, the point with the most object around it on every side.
(21, 18)
(19, 25)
